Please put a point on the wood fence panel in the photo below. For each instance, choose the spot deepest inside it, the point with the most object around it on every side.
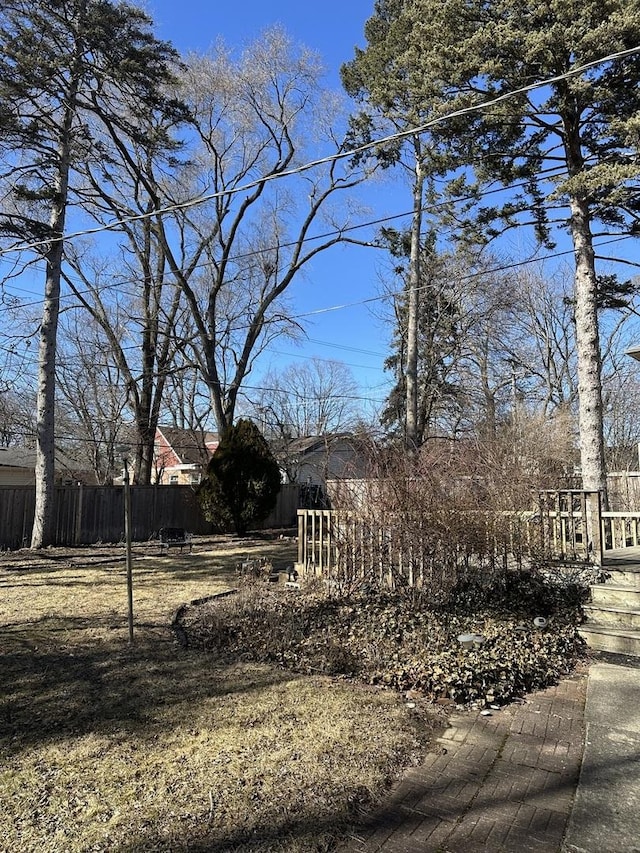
(85, 515)
(17, 505)
(285, 511)
(101, 517)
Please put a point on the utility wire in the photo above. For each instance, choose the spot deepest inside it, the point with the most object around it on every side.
(426, 209)
(358, 303)
(466, 277)
(339, 155)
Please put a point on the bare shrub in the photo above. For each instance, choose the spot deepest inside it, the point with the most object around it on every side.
(429, 521)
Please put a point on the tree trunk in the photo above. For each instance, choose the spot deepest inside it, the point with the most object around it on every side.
(490, 425)
(588, 349)
(217, 404)
(43, 533)
(411, 372)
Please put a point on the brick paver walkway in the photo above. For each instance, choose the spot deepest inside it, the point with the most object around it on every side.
(503, 782)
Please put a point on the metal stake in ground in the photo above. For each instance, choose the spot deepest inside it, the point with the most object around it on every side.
(125, 449)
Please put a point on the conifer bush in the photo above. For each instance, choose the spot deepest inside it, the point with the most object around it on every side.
(242, 482)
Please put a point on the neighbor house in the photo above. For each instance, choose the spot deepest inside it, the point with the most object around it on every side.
(181, 455)
(313, 461)
(18, 467)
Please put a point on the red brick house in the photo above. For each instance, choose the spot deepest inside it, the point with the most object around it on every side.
(181, 455)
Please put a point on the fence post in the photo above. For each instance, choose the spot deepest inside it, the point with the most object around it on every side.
(78, 525)
(302, 539)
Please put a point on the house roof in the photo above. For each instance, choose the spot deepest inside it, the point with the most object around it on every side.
(24, 457)
(310, 443)
(17, 457)
(304, 444)
(634, 352)
(188, 444)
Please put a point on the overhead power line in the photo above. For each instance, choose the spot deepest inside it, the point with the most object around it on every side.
(466, 277)
(431, 208)
(332, 158)
(371, 299)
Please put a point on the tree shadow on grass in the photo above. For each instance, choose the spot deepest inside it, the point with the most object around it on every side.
(65, 673)
(312, 829)
(52, 692)
(143, 572)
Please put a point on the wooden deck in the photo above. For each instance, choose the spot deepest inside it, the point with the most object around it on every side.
(622, 559)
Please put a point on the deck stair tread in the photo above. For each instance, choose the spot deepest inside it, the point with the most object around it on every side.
(614, 595)
(625, 565)
(626, 580)
(613, 613)
(612, 617)
(614, 607)
(610, 630)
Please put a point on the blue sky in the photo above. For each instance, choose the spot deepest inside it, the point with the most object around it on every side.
(343, 275)
(333, 27)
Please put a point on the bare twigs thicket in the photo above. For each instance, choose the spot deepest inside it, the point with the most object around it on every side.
(454, 512)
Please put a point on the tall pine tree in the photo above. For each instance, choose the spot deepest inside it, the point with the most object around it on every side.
(437, 338)
(570, 147)
(392, 97)
(70, 70)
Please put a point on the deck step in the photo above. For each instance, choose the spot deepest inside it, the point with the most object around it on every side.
(610, 594)
(622, 577)
(613, 616)
(607, 639)
(622, 558)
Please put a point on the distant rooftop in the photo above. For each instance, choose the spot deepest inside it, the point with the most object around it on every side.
(188, 444)
(634, 352)
(17, 457)
(25, 457)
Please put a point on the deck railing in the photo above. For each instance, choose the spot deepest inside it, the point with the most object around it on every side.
(567, 526)
(620, 530)
(387, 551)
(570, 525)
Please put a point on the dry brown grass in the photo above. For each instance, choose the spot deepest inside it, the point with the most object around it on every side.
(112, 747)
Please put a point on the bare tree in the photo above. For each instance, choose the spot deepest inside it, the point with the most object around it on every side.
(17, 422)
(622, 430)
(307, 399)
(621, 396)
(92, 397)
(437, 339)
(137, 325)
(256, 119)
(466, 337)
(186, 402)
(543, 353)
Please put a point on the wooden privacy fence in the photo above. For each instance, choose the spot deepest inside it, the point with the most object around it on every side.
(85, 515)
(566, 526)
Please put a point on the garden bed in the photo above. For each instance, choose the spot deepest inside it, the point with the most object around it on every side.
(399, 640)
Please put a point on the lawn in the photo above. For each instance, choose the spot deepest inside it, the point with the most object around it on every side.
(107, 746)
